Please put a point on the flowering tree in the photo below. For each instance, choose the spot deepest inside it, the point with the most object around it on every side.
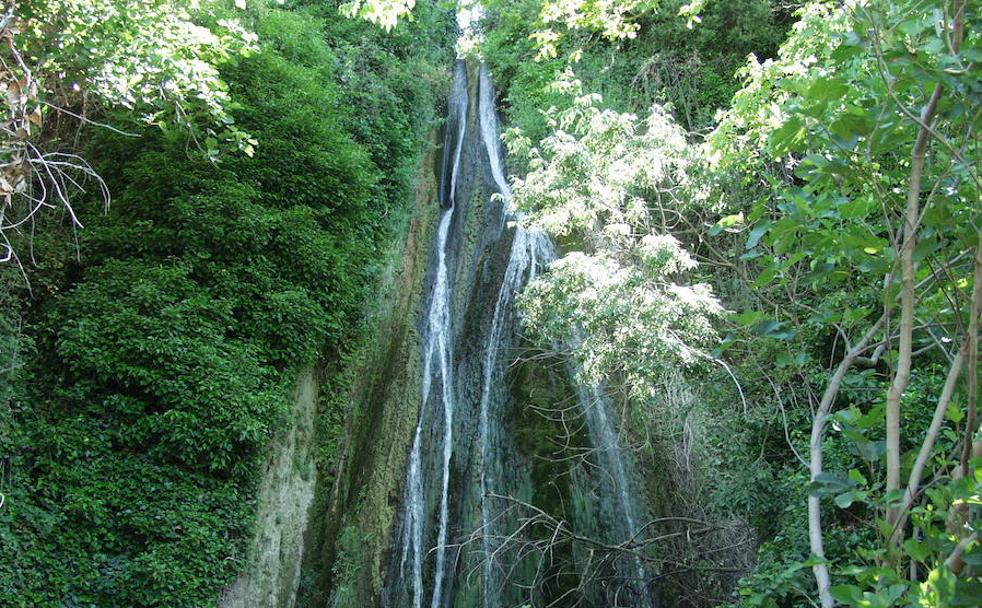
(614, 185)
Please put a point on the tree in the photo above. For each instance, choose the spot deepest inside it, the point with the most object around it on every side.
(384, 13)
(62, 62)
(854, 87)
(615, 185)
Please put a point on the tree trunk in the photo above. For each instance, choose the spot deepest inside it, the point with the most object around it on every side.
(815, 538)
(975, 310)
(908, 302)
(908, 295)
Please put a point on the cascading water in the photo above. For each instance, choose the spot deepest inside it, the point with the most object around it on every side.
(438, 344)
(464, 453)
(528, 250)
(440, 326)
(603, 435)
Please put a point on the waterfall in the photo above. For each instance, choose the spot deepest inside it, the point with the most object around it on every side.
(437, 343)
(488, 116)
(528, 250)
(440, 344)
(463, 452)
(596, 408)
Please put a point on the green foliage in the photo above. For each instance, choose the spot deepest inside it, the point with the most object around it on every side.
(613, 20)
(160, 59)
(808, 175)
(837, 108)
(385, 13)
(688, 70)
(132, 330)
(825, 107)
(347, 564)
(166, 355)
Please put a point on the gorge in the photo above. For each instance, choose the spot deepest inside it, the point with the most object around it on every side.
(490, 304)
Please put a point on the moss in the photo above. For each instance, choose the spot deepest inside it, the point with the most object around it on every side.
(539, 387)
(348, 566)
(369, 416)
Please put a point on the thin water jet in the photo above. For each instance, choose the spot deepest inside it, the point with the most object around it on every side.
(464, 453)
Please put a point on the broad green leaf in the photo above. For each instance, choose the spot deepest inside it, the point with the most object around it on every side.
(772, 328)
(827, 484)
(857, 477)
(788, 136)
(954, 412)
(852, 124)
(846, 499)
(849, 595)
(727, 223)
(919, 550)
(748, 317)
(756, 234)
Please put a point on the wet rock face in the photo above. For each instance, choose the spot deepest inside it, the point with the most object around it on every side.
(459, 536)
(461, 453)
(445, 430)
(356, 503)
(272, 576)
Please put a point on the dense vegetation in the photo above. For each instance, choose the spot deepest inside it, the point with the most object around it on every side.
(162, 359)
(772, 255)
(806, 246)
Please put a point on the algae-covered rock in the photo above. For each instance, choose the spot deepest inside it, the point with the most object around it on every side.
(287, 490)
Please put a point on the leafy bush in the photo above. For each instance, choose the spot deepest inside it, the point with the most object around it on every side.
(167, 354)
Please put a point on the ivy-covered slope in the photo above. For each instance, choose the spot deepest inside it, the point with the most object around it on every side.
(165, 356)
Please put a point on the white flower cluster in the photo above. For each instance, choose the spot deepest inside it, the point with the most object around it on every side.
(612, 182)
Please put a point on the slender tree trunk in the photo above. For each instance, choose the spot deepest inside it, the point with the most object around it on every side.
(972, 376)
(955, 562)
(908, 302)
(908, 295)
(917, 471)
(815, 538)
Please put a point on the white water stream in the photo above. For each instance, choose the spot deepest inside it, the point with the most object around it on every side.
(438, 344)
(426, 510)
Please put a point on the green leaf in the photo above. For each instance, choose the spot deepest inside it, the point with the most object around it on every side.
(919, 550)
(856, 208)
(968, 593)
(750, 255)
(788, 136)
(826, 484)
(748, 317)
(846, 499)
(756, 234)
(858, 477)
(798, 360)
(851, 315)
(871, 451)
(846, 594)
(765, 277)
(926, 247)
(828, 89)
(852, 125)
(771, 328)
(727, 223)
(954, 412)
(913, 25)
